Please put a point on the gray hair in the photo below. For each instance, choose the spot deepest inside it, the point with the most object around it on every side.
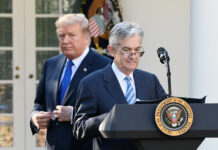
(71, 19)
(122, 31)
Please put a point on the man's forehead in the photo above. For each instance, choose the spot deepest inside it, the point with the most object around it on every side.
(130, 39)
(127, 45)
(131, 47)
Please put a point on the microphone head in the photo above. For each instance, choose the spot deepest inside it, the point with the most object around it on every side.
(160, 51)
(163, 55)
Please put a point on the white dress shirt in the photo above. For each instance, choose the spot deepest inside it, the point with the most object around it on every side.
(120, 77)
(76, 63)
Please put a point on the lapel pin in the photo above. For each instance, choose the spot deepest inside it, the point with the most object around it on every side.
(84, 69)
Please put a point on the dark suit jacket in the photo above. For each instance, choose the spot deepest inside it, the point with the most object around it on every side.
(59, 134)
(98, 93)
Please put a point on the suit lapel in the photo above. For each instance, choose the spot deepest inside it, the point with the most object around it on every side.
(139, 85)
(82, 71)
(55, 77)
(113, 86)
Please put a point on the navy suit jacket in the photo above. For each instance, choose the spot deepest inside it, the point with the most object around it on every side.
(98, 93)
(59, 134)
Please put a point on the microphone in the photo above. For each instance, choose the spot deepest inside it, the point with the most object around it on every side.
(164, 58)
(163, 55)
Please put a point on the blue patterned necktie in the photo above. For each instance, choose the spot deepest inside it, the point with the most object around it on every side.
(65, 81)
(130, 93)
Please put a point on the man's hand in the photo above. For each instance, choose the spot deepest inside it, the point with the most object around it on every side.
(63, 113)
(41, 119)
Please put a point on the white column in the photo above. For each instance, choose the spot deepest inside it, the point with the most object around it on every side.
(203, 56)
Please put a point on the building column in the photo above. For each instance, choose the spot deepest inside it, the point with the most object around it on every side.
(204, 56)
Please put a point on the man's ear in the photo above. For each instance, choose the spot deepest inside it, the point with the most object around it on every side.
(87, 37)
(111, 50)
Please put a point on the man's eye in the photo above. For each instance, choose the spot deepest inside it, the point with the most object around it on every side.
(138, 49)
(61, 35)
(126, 50)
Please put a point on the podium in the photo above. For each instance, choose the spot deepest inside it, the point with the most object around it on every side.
(137, 122)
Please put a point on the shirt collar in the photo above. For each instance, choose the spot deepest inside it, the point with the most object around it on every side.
(79, 59)
(120, 76)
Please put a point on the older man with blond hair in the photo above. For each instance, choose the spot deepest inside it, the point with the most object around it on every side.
(56, 94)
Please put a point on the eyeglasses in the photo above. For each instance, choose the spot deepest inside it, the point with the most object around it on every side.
(126, 51)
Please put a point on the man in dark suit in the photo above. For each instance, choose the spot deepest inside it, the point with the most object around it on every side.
(119, 83)
(61, 74)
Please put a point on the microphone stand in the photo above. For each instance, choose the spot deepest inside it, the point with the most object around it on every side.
(168, 74)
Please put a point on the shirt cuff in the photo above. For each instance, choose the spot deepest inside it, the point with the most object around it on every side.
(34, 128)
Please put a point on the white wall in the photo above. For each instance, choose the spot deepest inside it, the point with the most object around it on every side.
(166, 24)
(204, 49)
(204, 52)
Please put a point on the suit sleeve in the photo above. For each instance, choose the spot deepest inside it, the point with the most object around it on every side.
(39, 102)
(86, 122)
(160, 93)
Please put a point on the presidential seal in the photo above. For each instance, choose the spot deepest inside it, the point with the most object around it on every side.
(173, 116)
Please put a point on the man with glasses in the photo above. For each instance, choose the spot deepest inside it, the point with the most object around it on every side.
(118, 83)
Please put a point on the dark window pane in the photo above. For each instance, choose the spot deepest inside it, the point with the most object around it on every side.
(47, 6)
(6, 131)
(71, 6)
(46, 32)
(6, 98)
(41, 56)
(6, 65)
(5, 6)
(5, 32)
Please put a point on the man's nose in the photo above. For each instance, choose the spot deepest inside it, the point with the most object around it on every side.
(66, 39)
